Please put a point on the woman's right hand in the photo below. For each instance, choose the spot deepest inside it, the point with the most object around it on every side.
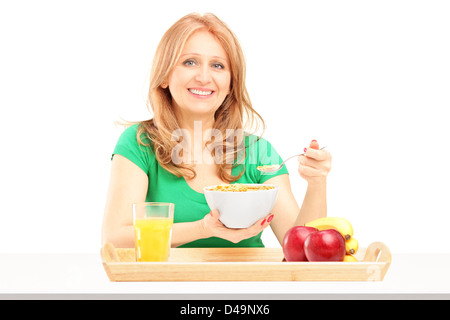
(213, 227)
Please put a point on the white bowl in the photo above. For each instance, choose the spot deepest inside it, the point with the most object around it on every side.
(241, 209)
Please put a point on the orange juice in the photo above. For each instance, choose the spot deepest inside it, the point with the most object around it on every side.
(152, 238)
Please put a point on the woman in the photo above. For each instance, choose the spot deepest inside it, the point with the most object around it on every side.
(197, 89)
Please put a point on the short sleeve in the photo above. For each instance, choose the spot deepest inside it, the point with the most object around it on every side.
(260, 152)
(128, 147)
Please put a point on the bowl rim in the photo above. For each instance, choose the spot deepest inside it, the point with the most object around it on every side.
(245, 184)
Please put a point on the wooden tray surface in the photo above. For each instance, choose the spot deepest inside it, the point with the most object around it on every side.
(242, 264)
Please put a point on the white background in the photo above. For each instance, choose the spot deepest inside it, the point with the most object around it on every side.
(370, 79)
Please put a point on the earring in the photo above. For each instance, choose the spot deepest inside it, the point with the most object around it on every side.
(164, 85)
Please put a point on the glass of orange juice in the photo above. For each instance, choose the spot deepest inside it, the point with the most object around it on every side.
(152, 230)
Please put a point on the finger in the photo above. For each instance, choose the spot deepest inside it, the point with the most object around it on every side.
(314, 145)
(237, 235)
(215, 214)
(263, 223)
(307, 171)
(317, 154)
(309, 162)
(259, 225)
(266, 220)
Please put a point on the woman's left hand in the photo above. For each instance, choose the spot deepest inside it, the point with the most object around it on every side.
(315, 165)
(213, 227)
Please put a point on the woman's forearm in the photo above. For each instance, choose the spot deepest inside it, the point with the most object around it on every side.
(120, 237)
(184, 232)
(314, 204)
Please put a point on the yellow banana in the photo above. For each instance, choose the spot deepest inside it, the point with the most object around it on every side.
(349, 258)
(340, 224)
(351, 246)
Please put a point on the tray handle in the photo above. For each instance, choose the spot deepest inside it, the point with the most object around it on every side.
(108, 253)
(378, 252)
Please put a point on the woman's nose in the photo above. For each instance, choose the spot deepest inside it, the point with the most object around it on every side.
(203, 74)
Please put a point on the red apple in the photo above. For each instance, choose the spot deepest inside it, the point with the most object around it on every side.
(293, 243)
(325, 245)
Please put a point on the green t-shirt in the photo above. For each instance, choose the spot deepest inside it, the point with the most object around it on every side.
(191, 205)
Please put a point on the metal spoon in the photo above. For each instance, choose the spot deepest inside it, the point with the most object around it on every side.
(275, 168)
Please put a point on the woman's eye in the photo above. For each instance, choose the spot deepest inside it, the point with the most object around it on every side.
(189, 62)
(218, 66)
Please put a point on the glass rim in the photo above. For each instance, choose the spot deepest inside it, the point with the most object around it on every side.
(144, 203)
(169, 208)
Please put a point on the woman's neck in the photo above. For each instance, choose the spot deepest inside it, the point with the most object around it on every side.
(196, 134)
(195, 123)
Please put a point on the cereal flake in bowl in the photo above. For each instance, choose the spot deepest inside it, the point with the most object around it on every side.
(241, 205)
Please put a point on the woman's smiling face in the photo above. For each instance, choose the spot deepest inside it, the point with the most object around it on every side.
(200, 81)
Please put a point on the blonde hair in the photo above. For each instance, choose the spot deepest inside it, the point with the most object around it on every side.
(230, 115)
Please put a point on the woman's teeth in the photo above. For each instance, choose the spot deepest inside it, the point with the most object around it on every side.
(201, 93)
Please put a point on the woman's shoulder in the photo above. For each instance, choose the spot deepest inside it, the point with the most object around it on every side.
(261, 149)
(133, 149)
(131, 132)
(135, 137)
(253, 140)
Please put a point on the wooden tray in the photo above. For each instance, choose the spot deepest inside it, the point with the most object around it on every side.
(242, 264)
